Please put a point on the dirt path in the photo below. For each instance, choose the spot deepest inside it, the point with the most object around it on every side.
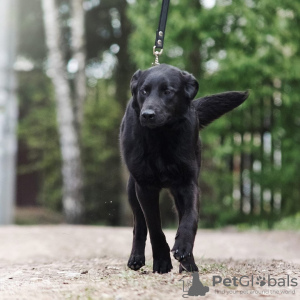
(67, 262)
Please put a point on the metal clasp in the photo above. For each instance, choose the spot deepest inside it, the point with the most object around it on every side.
(156, 54)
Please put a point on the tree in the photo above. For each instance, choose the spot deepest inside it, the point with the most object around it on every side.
(69, 141)
(8, 110)
(78, 57)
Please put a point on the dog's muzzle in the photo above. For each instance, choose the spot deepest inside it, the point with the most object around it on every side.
(148, 114)
(148, 118)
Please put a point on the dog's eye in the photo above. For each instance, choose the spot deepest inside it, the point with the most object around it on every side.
(144, 92)
(167, 92)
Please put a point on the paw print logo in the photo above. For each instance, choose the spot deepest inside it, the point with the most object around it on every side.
(261, 280)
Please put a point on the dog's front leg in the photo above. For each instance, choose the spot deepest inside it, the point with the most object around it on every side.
(149, 201)
(186, 200)
(137, 256)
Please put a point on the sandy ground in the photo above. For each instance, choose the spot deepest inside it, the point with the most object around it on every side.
(87, 262)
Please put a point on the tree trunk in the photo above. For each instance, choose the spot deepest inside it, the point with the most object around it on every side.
(69, 141)
(8, 110)
(123, 75)
(79, 56)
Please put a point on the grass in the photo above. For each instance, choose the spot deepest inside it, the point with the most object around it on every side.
(40, 215)
(287, 223)
(36, 216)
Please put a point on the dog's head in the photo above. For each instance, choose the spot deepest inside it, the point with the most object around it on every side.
(162, 94)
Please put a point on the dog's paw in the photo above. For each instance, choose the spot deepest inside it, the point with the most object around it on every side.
(182, 251)
(188, 265)
(135, 262)
(162, 265)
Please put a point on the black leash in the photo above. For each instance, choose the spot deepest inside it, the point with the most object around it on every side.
(160, 33)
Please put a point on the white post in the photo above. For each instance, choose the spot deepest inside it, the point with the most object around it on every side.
(8, 111)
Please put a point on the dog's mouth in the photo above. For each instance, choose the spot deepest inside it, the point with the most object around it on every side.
(155, 122)
(151, 124)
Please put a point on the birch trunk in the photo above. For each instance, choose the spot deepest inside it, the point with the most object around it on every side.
(8, 110)
(69, 141)
(79, 56)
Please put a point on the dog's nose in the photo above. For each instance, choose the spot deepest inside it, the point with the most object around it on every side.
(148, 114)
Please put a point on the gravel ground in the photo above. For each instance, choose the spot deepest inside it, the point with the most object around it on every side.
(89, 262)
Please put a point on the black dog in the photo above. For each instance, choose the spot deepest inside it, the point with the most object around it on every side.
(161, 148)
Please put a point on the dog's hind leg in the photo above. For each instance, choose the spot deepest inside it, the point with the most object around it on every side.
(149, 200)
(186, 200)
(137, 256)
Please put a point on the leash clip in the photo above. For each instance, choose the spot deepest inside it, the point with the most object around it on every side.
(156, 54)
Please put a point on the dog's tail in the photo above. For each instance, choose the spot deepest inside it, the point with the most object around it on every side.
(212, 107)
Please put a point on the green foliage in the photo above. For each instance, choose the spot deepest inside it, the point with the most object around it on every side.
(38, 134)
(286, 223)
(101, 154)
(289, 223)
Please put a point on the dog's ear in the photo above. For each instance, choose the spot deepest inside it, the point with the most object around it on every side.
(212, 107)
(133, 87)
(134, 82)
(191, 85)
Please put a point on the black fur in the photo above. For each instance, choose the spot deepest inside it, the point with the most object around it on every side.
(161, 147)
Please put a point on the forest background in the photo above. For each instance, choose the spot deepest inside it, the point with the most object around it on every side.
(250, 171)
